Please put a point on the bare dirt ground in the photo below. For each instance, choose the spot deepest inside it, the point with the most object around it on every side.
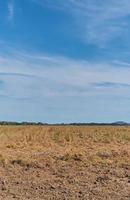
(64, 163)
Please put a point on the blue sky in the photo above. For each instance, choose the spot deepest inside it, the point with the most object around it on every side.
(65, 61)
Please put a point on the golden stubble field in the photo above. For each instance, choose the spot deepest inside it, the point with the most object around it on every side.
(65, 162)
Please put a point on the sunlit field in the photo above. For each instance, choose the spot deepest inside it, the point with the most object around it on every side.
(65, 162)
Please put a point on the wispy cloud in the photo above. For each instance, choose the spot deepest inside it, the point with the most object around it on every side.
(100, 21)
(53, 88)
(41, 75)
(111, 85)
(10, 10)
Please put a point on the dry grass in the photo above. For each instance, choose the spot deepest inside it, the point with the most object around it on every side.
(64, 162)
(91, 145)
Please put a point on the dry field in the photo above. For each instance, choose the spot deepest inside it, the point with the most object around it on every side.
(64, 162)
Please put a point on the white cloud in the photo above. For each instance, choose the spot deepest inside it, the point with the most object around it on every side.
(33, 75)
(99, 21)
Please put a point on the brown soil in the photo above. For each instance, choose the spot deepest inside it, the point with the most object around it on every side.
(64, 163)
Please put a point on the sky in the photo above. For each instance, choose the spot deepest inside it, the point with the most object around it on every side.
(65, 60)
